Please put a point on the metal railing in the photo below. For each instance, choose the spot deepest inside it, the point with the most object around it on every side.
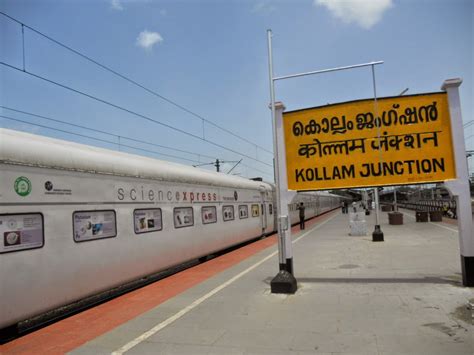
(448, 207)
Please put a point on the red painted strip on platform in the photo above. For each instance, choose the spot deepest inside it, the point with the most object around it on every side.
(450, 221)
(70, 333)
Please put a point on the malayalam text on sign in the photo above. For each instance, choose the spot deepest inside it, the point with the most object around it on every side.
(347, 145)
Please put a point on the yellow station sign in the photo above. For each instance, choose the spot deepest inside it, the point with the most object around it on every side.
(396, 141)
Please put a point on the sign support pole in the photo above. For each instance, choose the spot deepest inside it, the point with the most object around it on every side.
(285, 195)
(459, 187)
(377, 235)
(284, 281)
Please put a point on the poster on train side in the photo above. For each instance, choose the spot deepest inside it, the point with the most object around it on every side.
(147, 220)
(21, 231)
(90, 225)
(392, 141)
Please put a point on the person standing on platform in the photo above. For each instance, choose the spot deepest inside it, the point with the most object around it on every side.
(301, 209)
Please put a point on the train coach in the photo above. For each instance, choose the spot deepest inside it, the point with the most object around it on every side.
(77, 220)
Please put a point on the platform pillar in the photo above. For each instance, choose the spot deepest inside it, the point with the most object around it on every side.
(459, 187)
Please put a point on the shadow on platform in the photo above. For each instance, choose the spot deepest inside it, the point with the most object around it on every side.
(422, 280)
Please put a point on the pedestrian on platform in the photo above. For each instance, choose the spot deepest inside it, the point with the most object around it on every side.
(345, 207)
(445, 209)
(301, 209)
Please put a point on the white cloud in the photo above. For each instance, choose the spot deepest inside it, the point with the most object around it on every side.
(116, 5)
(147, 39)
(263, 6)
(365, 13)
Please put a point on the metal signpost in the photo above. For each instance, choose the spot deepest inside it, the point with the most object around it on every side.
(341, 146)
(377, 234)
(284, 281)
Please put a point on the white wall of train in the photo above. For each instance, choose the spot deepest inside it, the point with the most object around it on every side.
(76, 220)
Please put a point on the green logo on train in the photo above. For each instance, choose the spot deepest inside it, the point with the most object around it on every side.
(23, 186)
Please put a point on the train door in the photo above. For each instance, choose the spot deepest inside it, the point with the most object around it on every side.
(263, 214)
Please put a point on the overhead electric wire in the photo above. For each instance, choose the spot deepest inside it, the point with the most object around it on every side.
(131, 112)
(112, 135)
(104, 132)
(467, 124)
(97, 139)
(135, 83)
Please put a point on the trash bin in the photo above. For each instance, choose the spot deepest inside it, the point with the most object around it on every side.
(421, 216)
(367, 212)
(395, 218)
(436, 216)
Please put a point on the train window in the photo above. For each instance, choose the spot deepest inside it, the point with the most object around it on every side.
(243, 211)
(21, 231)
(183, 217)
(209, 214)
(147, 220)
(92, 225)
(228, 213)
(270, 208)
(255, 211)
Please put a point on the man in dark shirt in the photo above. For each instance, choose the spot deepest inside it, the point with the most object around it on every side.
(301, 209)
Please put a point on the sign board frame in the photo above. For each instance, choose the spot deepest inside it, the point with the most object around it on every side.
(348, 145)
(458, 187)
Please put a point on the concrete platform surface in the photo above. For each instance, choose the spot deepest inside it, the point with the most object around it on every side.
(400, 296)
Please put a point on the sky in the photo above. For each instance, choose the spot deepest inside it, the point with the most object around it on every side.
(210, 57)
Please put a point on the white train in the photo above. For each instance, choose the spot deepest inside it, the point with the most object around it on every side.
(77, 220)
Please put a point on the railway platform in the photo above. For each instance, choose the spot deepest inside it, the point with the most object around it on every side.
(355, 296)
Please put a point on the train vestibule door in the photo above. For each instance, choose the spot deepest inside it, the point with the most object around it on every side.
(263, 214)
